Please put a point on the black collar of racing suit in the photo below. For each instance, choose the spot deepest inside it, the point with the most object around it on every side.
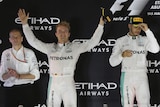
(63, 44)
(133, 37)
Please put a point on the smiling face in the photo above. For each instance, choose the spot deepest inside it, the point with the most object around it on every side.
(134, 30)
(15, 38)
(63, 32)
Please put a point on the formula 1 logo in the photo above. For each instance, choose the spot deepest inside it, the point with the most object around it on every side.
(135, 6)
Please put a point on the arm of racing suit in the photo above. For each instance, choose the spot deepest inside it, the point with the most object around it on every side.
(33, 41)
(116, 56)
(152, 45)
(93, 41)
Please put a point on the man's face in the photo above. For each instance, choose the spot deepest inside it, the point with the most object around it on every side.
(15, 38)
(134, 30)
(62, 34)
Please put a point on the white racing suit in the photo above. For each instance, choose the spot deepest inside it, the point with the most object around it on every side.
(62, 62)
(134, 80)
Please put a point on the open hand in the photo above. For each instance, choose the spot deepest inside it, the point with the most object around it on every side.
(23, 16)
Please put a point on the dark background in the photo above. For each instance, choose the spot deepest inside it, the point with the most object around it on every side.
(92, 67)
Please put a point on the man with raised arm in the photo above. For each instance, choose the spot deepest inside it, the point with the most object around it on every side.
(62, 57)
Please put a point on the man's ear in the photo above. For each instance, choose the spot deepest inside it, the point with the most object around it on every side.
(9, 39)
(22, 38)
(129, 26)
(69, 34)
(55, 34)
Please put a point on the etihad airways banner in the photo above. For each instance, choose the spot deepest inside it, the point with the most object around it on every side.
(97, 83)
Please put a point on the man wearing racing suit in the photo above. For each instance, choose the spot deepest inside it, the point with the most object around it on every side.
(131, 50)
(62, 59)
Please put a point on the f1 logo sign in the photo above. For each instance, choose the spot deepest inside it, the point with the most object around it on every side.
(135, 7)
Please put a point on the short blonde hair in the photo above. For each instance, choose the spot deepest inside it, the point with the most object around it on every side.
(64, 23)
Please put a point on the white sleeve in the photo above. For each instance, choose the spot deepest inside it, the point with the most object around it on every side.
(93, 41)
(116, 55)
(33, 41)
(3, 66)
(34, 70)
(152, 45)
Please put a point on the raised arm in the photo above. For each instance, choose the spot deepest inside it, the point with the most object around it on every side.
(31, 38)
(94, 39)
(152, 45)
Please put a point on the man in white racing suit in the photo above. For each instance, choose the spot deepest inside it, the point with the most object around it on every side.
(131, 51)
(62, 59)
